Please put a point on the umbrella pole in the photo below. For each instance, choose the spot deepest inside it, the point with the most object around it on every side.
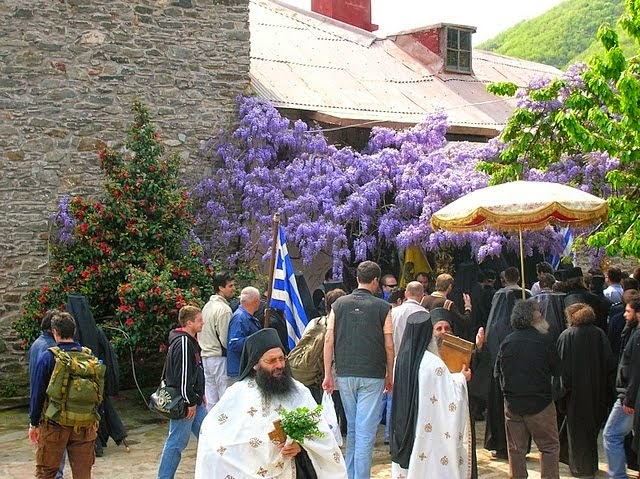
(524, 294)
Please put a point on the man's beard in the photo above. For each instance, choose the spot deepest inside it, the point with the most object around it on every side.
(274, 386)
(541, 326)
(435, 344)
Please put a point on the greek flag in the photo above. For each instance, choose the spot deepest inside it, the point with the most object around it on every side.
(568, 243)
(285, 295)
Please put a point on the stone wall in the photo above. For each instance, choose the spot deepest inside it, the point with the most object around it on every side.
(69, 70)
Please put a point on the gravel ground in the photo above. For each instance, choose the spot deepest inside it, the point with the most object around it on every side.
(146, 438)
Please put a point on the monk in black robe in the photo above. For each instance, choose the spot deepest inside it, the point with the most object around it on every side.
(498, 328)
(577, 292)
(588, 367)
(552, 308)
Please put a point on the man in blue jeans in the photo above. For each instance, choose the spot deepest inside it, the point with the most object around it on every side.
(185, 372)
(360, 332)
(620, 421)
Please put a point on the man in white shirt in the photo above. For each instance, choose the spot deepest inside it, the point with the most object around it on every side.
(413, 295)
(541, 268)
(213, 338)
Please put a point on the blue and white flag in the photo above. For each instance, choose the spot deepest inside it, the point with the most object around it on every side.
(568, 243)
(285, 295)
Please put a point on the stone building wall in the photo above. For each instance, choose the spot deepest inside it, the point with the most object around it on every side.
(69, 70)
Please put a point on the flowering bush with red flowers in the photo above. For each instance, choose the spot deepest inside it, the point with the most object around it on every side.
(146, 301)
(134, 254)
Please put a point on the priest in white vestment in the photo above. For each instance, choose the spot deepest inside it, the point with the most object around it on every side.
(430, 425)
(234, 441)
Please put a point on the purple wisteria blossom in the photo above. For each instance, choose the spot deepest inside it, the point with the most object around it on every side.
(64, 224)
(347, 203)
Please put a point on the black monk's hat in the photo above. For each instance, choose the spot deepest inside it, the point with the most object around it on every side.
(255, 346)
(441, 314)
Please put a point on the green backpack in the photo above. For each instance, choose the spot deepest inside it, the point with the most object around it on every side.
(76, 388)
(306, 358)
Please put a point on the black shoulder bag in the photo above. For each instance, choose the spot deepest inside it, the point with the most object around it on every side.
(167, 401)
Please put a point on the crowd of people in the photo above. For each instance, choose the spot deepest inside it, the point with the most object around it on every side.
(556, 364)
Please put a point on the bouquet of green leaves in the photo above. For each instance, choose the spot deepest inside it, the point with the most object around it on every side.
(302, 423)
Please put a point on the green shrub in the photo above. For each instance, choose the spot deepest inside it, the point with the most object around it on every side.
(133, 254)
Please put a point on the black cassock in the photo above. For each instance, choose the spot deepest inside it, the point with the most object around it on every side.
(91, 336)
(552, 309)
(498, 328)
(588, 367)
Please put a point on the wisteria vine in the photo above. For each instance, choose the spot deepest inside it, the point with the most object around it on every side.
(348, 203)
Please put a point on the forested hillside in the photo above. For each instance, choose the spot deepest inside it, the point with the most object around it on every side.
(562, 35)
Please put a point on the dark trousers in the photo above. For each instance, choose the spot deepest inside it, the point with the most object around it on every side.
(543, 428)
(54, 439)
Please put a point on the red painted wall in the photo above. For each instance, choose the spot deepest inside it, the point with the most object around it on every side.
(353, 12)
(430, 39)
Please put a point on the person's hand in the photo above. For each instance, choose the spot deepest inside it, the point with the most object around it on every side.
(204, 401)
(628, 409)
(34, 434)
(480, 338)
(388, 383)
(191, 412)
(327, 384)
(466, 372)
(290, 450)
(467, 301)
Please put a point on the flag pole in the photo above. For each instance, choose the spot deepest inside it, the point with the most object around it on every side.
(272, 267)
(524, 293)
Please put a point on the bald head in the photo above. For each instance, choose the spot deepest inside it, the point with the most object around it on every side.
(414, 291)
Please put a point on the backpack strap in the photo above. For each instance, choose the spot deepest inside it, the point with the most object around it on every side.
(163, 377)
(62, 358)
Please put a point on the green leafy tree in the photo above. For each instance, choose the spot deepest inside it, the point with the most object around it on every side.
(591, 110)
(133, 255)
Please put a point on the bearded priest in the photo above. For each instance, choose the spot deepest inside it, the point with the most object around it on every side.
(430, 425)
(234, 437)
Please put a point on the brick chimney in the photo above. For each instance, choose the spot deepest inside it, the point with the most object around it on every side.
(353, 12)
